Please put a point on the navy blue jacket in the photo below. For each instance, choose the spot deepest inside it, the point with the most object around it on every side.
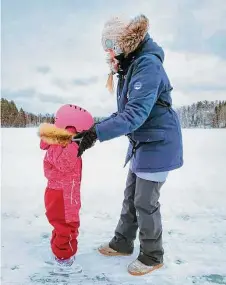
(145, 113)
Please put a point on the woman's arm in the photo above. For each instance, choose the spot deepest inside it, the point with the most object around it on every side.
(143, 90)
(108, 118)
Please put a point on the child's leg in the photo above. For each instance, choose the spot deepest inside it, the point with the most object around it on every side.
(64, 236)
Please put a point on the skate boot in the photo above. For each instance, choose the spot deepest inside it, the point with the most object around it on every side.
(67, 266)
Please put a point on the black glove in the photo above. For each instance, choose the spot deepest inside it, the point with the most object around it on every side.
(85, 139)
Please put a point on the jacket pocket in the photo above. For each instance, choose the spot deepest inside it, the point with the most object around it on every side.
(148, 136)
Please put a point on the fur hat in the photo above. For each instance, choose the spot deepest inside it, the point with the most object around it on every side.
(124, 35)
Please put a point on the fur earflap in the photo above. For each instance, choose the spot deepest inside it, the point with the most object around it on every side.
(50, 134)
(133, 34)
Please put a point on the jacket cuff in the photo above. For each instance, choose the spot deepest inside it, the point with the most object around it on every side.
(98, 132)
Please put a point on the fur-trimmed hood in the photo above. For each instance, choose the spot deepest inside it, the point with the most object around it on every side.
(133, 34)
(50, 134)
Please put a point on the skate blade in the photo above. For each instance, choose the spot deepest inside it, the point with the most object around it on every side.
(67, 271)
(49, 262)
(146, 272)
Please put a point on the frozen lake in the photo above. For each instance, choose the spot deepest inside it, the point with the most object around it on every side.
(193, 209)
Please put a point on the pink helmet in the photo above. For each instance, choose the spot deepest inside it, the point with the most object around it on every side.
(73, 116)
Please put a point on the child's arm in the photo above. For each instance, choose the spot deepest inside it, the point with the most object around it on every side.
(43, 145)
(67, 160)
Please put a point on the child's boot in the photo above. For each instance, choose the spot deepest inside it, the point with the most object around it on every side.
(67, 266)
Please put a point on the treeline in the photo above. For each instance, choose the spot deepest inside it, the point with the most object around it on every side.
(11, 116)
(203, 114)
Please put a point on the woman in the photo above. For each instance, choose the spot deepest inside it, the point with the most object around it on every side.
(146, 116)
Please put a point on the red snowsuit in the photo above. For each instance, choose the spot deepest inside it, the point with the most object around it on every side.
(63, 170)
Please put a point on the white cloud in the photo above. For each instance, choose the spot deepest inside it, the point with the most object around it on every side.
(66, 41)
(191, 69)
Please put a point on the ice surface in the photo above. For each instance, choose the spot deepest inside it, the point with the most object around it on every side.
(193, 209)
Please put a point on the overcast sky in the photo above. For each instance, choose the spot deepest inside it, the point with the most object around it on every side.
(52, 53)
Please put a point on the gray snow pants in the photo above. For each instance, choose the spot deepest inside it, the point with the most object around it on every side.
(141, 209)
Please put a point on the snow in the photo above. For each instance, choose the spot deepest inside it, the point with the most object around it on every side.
(193, 209)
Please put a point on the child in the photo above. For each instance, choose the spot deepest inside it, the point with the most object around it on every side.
(63, 170)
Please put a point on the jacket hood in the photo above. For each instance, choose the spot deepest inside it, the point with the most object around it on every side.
(147, 46)
(152, 47)
(50, 134)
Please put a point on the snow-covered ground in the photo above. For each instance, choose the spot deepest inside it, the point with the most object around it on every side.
(193, 209)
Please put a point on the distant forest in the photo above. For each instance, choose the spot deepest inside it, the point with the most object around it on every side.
(13, 117)
(203, 114)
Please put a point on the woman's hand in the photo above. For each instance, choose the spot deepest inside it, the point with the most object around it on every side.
(85, 139)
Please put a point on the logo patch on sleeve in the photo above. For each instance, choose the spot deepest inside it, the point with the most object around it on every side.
(137, 85)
